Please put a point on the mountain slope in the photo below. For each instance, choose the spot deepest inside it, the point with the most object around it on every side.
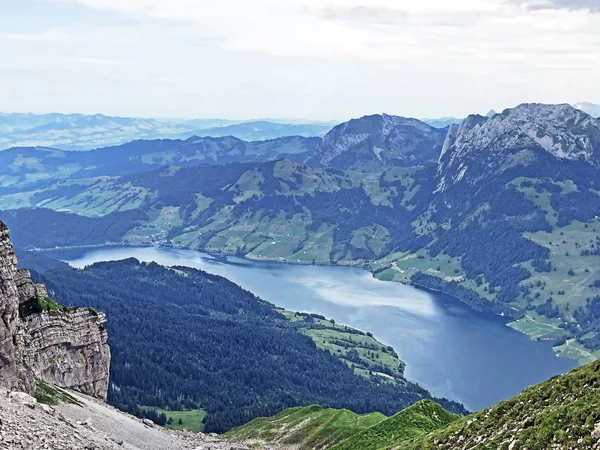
(183, 339)
(481, 146)
(506, 217)
(561, 413)
(416, 420)
(307, 428)
(375, 143)
(82, 422)
(33, 166)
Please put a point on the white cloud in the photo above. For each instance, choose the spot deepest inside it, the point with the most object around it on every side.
(48, 36)
(98, 61)
(572, 5)
(332, 58)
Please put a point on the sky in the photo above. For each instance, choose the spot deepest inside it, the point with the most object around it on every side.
(313, 59)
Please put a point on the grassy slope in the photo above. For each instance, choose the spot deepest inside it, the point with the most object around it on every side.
(311, 427)
(416, 420)
(192, 420)
(340, 339)
(291, 239)
(560, 413)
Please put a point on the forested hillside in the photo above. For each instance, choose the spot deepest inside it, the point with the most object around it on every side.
(506, 216)
(182, 339)
(34, 167)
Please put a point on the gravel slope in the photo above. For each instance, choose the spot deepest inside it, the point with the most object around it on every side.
(27, 424)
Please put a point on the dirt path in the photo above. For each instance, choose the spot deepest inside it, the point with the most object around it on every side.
(591, 355)
(542, 323)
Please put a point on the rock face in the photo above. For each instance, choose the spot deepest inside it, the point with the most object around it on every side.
(9, 310)
(68, 350)
(40, 339)
(517, 137)
(379, 142)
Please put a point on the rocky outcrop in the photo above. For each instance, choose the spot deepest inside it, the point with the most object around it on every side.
(39, 339)
(68, 349)
(521, 136)
(378, 142)
(9, 310)
(28, 290)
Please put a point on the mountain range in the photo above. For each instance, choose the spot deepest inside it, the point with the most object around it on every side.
(500, 211)
(87, 132)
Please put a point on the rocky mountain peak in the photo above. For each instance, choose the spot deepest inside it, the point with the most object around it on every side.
(379, 141)
(41, 340)
(559, 130)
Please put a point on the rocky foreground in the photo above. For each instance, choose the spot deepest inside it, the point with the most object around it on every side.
(89, 425)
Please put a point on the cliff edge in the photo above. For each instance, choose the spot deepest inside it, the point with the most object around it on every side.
(42, 340)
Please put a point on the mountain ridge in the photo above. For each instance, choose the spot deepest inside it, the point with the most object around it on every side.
(81, 132)
(378, 141)
(524, 180)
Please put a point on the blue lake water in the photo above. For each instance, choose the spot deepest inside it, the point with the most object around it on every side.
(449, 349)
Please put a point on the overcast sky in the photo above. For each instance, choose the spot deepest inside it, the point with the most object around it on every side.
(315, 59)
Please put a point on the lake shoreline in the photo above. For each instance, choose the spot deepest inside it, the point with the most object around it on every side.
(450, 349)
(562, 351)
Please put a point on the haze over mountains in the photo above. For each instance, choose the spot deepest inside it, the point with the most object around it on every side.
(590, 108)
(86, 132)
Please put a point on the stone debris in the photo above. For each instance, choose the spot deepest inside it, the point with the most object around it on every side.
(26, 424)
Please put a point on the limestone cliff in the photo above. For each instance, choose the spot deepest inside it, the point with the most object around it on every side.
(9, 310)
(39, 339)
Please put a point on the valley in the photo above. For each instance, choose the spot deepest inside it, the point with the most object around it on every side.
(448, 348)
(498, 211)
(494, 221)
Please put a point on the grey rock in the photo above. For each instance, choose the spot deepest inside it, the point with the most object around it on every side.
(148, 422)
(47, 409)
(23, 399)
(596, 432)
(482, 146)
(67, 348)
(9, 311)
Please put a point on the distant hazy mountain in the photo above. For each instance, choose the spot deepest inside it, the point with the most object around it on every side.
(590, 108)
(22, 166)
(443, 122)
(263, 130)
(86, 132)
